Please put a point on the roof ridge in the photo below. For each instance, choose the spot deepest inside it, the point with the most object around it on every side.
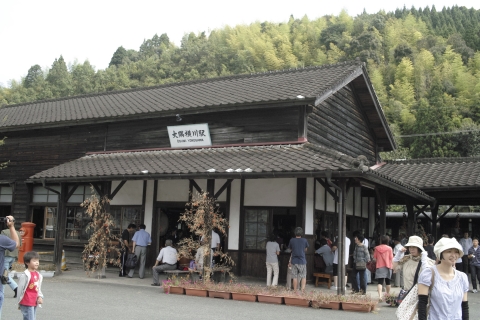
(190, 82)
(434, 160)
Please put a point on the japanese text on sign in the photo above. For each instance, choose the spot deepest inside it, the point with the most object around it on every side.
(192, 135)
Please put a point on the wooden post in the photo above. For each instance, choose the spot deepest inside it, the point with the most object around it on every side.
(342, 233)
(434, 220)
(382, 206)
(61, 228)
(411, 218)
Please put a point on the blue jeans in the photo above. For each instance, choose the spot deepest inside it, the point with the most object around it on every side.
(1, 300)
(28, 312)
(7, 264)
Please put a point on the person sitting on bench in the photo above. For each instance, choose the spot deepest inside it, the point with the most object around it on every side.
(326, 252)
(167, 259)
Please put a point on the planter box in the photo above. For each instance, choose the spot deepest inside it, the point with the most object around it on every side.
(298, 302)
(269, 299)
(358, 307)
(334, 305)
(196, 292)
(220, 294)
(177, 290)
(244, 297)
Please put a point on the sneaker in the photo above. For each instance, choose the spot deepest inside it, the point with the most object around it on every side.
(474, 291)
(333, 288)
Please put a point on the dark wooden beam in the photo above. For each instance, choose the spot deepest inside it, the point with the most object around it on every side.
(70, 193)
(98, 189)
(411, 218)
(382, 206)
(61, 228)
(327, 188)
(225, 185)
(120, 185)
(196, 186)
(445, 213)
(211, 186)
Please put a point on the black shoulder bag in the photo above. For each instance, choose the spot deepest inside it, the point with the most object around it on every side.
(403, 293)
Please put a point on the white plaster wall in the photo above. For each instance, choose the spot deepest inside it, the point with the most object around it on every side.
(202, 183)
(173, 190)
(130, 194)
(234, 220)
(309, 220)
(358, 202)
(319, 197)
(365, 201)
(349, 199)
(280, 192)
(331, 204)
(148, 218)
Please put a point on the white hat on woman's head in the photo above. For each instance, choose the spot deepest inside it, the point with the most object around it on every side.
(445, 244)
(415, 241)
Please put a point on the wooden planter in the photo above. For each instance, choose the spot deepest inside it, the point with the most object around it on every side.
(269, 299)
(176, 290)
(196, 292)
(334, 305)
(297, 302)
(358, 307)
(220, 294)
(244, 296)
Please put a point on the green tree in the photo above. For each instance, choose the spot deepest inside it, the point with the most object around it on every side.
(118, 57)
(59, 79)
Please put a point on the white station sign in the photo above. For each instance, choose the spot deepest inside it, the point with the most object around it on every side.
(191, 135)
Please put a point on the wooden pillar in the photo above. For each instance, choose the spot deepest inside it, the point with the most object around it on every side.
(342, 232)
(211, 187)
(61, 227)
(382, 206)
(301, 202)
(434, 220)
(411, 218)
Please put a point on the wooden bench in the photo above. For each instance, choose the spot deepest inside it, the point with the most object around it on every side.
(327, 276)
(174, 272)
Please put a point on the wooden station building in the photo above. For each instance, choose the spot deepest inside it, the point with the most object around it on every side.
(278, 150)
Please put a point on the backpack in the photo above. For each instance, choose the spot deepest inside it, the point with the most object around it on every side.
(131, 261)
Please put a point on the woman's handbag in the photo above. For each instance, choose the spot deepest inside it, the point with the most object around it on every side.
(360, 265)
(372, 266)
(408, 310)
(403, 293)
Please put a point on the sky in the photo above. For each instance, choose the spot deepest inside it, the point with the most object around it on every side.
(36, 32)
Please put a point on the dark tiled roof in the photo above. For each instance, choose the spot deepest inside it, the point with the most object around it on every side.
(280, 158)
(435, 172)
(258, 88)
(264, 160)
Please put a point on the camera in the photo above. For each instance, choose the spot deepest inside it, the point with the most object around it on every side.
(4, 220)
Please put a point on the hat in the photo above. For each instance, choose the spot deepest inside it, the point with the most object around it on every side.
(415, 241)
(445, 244)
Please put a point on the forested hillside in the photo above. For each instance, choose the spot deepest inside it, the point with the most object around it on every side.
(424, 64)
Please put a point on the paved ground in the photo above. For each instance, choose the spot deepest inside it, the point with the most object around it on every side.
(73, 295)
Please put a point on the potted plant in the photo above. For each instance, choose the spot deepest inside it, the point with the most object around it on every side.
(243, 292)
(326, 300)
(298, 298)
(173, 286)
(219, 290)
(390, 299)
(358, 302)
(271, 295)
(198, 289)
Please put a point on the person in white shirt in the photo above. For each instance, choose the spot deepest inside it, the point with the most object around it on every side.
(398, 273)
(200, 255)
(167, 258)
(335, 262)
(466, 243)
(215, 244)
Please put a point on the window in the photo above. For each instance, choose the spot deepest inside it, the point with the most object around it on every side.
(123, 216)
(77, 224)
(50, 223)
(42, 195)
(256, 228)
(80, 194)
(5, 194)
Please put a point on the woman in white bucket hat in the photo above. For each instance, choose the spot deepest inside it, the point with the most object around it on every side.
(407, 264)
(448, 296)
